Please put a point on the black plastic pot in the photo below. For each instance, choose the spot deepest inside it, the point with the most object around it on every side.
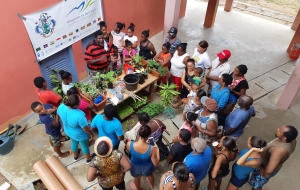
(145, 76)
(142, 79)
(131, 81)
(110, 85)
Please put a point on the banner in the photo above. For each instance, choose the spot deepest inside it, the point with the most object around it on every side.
(59, 26)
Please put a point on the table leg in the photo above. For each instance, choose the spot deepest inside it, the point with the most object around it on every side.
(151, 90)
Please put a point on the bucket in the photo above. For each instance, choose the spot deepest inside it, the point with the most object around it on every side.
(131, 81)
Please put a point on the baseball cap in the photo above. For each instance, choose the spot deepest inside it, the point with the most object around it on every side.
(209, 103)
(173, 30)
(225, 54)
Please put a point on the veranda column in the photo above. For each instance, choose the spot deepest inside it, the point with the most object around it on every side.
(291, 88)
(296, 21)
(211, 12)
(295, 39)
(172, 10)
(228, 5)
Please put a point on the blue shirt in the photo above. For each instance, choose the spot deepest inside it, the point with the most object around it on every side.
(237, 120)
(221, 96)
(198, 164)
(47, 119)
(243, 172)
(174, 45)
(112, 129)
(74, 121)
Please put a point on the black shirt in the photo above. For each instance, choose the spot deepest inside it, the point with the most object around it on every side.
(242, 85)
(179, 151)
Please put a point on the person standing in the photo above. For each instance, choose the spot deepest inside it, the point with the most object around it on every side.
(109, 166)
(172, 39)
(67, 79)
(131, 37)
(45, 95)
(201, 56)
(181, 149)
(147, 49)
(198, 161)
(109, 126)
(107, 36)
(97, 55)
(144, 158)
(218, 67)
(274, 155)
(237, 120)
(76, 127)
(163, 58)
(118, 36)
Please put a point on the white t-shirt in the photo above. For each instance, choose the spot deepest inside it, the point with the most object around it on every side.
(201, 60)
(118, 40)
(177, 65)
(218, 71)
(132, 39)
(65, 88)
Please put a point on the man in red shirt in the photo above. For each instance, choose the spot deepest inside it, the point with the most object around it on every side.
(97, 55)
(45, 95)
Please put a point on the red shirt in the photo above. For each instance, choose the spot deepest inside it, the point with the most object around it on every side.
(48, 97)
(83, 106)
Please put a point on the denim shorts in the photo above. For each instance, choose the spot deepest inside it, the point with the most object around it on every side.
(257, 181)
(136, 171)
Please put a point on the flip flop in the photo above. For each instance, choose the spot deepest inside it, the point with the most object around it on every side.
(132, 186)
(66, 138)
(149, 183)
(70, 152)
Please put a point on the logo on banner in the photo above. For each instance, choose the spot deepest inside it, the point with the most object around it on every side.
(82, 6)
(45, 25)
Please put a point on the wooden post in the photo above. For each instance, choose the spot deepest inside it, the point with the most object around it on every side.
(228, 5)
(296, 21)
(211, 12)
(295, 39)
(291, 88)
(172, 10)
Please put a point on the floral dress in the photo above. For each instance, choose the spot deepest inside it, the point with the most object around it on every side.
(110, 168)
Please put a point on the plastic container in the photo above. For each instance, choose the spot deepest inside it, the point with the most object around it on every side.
(131, 81)
(295, 51)
(129, 71)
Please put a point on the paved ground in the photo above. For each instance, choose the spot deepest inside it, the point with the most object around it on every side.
(260, 44)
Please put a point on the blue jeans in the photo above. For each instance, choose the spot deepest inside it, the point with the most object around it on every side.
(84, 146)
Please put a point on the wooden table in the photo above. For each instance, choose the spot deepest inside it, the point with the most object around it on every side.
(148, 82)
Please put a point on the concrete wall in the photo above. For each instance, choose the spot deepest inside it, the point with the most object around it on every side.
(17, 68)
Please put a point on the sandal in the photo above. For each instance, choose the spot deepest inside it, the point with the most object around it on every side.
(149, 183)
(76, 158)
(132, 186)
(66, 138)
(70, 152)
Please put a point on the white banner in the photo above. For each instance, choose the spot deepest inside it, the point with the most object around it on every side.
(59, 26)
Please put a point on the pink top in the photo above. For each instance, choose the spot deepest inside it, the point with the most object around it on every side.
(126, 53)
(83, 106)
(183, 126)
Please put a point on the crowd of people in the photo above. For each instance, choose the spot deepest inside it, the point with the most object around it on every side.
(206, 141)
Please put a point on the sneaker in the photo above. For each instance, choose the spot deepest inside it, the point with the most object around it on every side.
(76, 158)
(88, 161)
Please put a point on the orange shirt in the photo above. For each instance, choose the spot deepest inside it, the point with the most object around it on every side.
(48, 97)
(164, 56)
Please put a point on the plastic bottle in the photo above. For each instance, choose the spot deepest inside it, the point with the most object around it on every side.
(129, 71)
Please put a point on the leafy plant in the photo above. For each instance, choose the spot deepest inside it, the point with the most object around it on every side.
(56, 82)
(118, 72)
(130, 122)
(152, 109)
(162, 71)
(90, 89)
(136, 61)
(152, 64)
(102, 80)
(137, 104)
(124, 110)
(167, 94)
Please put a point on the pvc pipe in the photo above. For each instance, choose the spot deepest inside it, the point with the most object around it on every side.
(62, 174)
(47, 177)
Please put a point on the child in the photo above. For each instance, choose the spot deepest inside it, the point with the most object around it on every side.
(198, 76)
(115, 59)
(52, 124)
(193, 104)
(67, 79)
(128, 52)
(187, 124)
(131, 37)
(45, 95)
(118, 36)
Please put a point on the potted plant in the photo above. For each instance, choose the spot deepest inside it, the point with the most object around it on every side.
(137, 61)
(167, 94)
(95, 95)
(104, 81)
(57, 83)
(163, 71)
(152, 67)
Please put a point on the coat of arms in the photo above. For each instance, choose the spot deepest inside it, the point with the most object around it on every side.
(45, 25)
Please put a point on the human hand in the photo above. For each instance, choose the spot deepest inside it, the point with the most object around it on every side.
(257, 149)
(102, 58)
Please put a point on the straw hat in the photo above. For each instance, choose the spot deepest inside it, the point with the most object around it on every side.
(109, 144)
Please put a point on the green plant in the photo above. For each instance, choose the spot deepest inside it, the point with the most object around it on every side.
(136, 61)
(130, 122)
(56, 82)
(162, 71)
(124, 110)
(90, 89)
(118, 72)
(152, 64)
(167, 94)
(102, 80)
(152, 109)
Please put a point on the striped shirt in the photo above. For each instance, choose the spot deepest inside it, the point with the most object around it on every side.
(94, 51)
(174, 44)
